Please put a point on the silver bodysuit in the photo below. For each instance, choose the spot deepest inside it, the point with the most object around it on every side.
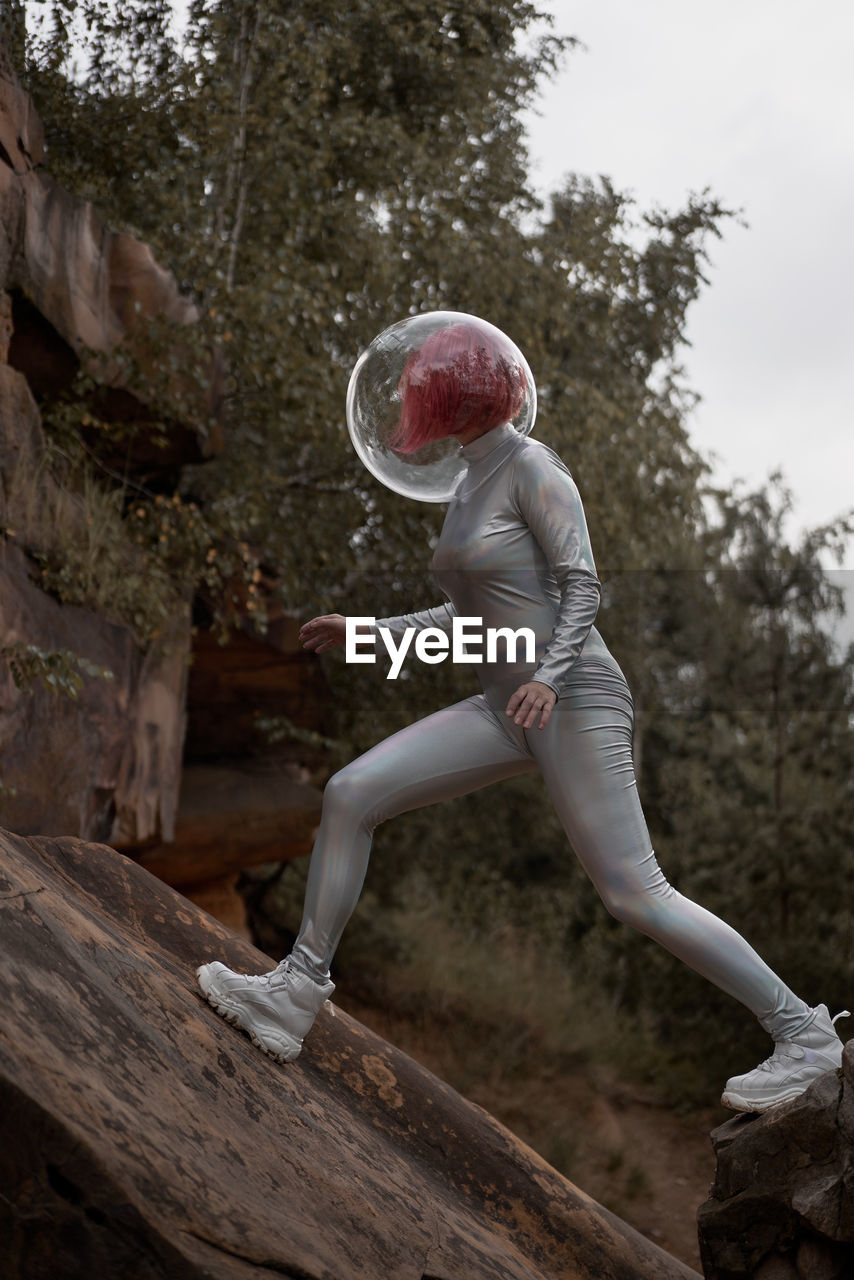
(514, 551)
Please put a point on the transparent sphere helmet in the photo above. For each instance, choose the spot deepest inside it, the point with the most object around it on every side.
(421, 361)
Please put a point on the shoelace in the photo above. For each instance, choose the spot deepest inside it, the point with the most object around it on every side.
(282, 970)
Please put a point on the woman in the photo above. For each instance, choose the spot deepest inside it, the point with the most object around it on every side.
(514, 551)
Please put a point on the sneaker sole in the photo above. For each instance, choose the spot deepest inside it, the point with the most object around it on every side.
(737, 1103)
(278, 1045)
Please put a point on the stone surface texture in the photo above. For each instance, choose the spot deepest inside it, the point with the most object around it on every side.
(144, 1137)
(106, 765)
(782, 1204)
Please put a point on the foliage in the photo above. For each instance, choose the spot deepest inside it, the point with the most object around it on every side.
(56, 670)
(87, 552)
(59, 671)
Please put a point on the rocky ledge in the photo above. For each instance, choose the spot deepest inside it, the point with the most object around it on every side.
(144, 1138)
(782, 1204)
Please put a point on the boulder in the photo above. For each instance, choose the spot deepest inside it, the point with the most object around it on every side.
(144, 1137)
(782, 1203)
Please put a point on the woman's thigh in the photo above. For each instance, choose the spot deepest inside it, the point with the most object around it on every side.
(585, 755)
(449, 753)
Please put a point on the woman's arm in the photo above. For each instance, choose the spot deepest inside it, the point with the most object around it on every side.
(330, 629)
(440, 616)
(548, 500)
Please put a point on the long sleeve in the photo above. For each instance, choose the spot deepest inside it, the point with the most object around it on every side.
(547, 498)
(440, 616)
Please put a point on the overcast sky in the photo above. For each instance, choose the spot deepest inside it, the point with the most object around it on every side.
(752, 98)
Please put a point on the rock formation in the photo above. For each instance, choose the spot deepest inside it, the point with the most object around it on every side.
(145, 1137)
(108, 766)
(782, 1204)
(81, 292)
(71, 292)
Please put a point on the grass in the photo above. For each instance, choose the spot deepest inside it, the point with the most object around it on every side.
(75, 530)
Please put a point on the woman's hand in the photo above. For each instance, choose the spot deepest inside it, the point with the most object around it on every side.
(325, 632)
(528, 701)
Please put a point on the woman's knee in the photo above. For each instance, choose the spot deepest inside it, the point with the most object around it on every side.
(346, 793)
(635, 904)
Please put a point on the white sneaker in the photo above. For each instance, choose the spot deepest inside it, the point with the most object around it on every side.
(792, 1067)
(275, 1009)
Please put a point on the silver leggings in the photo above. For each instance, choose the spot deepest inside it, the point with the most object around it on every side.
(585, 757)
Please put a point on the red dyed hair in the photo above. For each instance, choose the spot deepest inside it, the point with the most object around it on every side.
(460, 377)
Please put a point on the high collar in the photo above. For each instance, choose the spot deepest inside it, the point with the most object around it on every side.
(479, 448)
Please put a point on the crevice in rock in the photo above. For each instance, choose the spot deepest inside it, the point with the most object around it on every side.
(20, 893)
(63, 1186)
(38, 350)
